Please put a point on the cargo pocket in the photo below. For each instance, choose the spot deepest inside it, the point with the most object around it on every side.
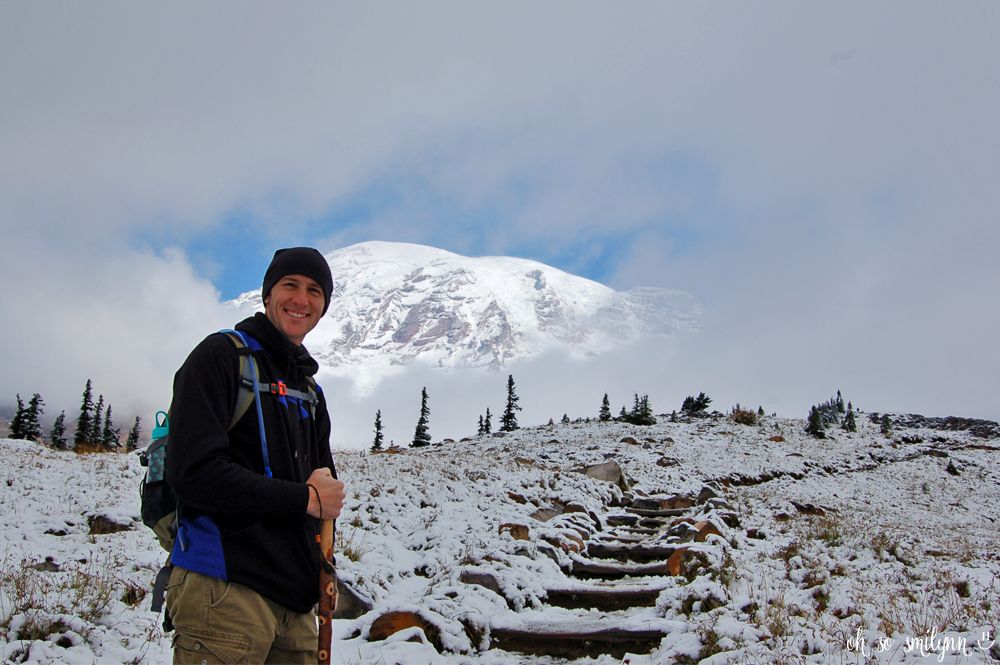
(211, 647)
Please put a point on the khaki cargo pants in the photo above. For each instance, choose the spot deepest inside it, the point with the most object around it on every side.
(223, 622)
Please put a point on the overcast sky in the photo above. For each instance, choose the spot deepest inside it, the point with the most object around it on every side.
(824, 179)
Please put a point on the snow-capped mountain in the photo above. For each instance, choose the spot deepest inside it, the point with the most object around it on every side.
(398, 303)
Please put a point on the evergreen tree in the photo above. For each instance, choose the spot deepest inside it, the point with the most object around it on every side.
(623, 415)
(840, 403)
(421, 436)
(109, 435)
(488, 423)
(886, 425)
(482, 428)
(97, 426)
(696, 404)
(605, 413)
(379, 437)
(17, 424)
(31, 428)
(508, 421)
(84, 422)
(760, 412)
(642, 412)
(673, 416)
(134, 434)
(816, 426)
(565, 419)
(644, 416)
(58, 434)
(850, 424)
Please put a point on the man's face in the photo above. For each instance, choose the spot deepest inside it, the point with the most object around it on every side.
(294, 306)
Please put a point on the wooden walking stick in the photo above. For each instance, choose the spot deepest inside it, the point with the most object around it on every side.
(327, 592)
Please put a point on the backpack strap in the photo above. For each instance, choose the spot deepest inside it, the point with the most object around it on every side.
(249, 373)
(251, 388)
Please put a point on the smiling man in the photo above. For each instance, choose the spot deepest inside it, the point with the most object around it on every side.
(245, 561)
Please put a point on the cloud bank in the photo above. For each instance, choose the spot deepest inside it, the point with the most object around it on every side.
(823, 179)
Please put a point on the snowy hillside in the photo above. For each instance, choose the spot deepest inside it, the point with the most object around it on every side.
(398, 303)
(741, 544)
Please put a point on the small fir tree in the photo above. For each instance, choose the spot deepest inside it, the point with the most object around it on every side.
(623, 414)
(97, 426)
(58, 434)
(379, 437)
(885, 426)
(31, 427)
(109, 435)
(815, 425)
(134, 435)
(696, 404)
(421, 435)
(644, 416)
(850, 423)
(840, 403)
(565, 419)
(760, 412)
(488, 423)
(17, 424)
(605, 413)
(508, 421)
(481, 429)
(84, 421)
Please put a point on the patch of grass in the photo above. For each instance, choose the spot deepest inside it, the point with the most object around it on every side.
(84, 590)
(133, 594)
(788, 552)
(813, 578)
(727, 572)
(827, 528)
(39, 626)
(821, 599)
(744, 417)
(351, 545)
(709, 642)
(936, 606)
(777, 619)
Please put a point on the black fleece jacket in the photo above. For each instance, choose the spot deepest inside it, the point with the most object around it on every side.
(267, 540)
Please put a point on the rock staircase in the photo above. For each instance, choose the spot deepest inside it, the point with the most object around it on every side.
(613, 574)
(612, 585)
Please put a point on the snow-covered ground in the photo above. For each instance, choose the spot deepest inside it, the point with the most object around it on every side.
(857, 548)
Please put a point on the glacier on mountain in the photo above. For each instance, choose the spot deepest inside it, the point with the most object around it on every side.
(395, 304)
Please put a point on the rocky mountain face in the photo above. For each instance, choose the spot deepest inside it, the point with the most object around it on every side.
(396, 303)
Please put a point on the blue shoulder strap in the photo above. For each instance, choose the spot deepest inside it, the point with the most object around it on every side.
(254, 345)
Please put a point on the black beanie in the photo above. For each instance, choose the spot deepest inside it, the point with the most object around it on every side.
(299, 261)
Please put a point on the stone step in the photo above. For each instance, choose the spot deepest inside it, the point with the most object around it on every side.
(637, 531)
(622, 520)
(588, 569)
(643, 512)
(571, 643)
(605, 600)
(626, 538)
(629, 552)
